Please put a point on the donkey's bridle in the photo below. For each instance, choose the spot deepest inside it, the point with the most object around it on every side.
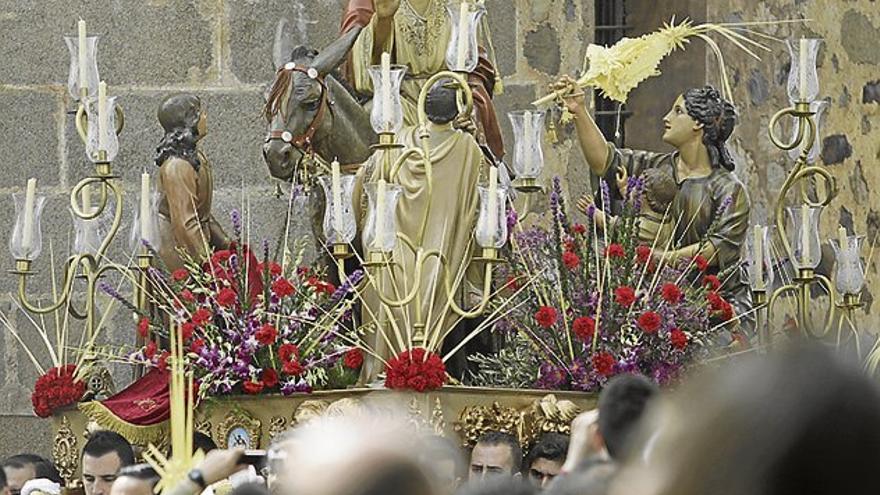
(304, 142)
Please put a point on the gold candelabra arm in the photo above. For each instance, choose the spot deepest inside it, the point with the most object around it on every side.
(82, 121)
(75, 196)
(23, 271)
(803, 115)
(459, 80)
(484, 293)
(801, 289)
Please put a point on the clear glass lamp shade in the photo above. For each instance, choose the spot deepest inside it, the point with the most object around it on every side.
(386, 115)
(819, 108)
(528, 134)
(760, 258)
(91, 66)
(95, 141)
(380, 231)
(150, 234)
(26, 242)
(462, 54)
(803, 78)
(803, 235)
(849, 277)
(339, 224)
(491, 231)
(89, 234)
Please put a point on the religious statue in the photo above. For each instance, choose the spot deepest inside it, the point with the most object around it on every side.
(416, 33)
(710, 209)
(186, 184)
(458, 165)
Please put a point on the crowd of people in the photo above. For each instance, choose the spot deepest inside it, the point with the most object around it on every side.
(801, 421)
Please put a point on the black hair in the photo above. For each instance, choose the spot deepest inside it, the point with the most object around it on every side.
(594, 479)
(718, 116)
(551, 446)
(204, 442)
(144, 472)
(43, 468)
(3, 482)
(441, 106)
(493, 437)
(621, 405)
(103, 442)
(501, 485)
(179, 116)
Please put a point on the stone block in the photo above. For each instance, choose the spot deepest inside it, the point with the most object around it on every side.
(144, 42)
(541, 49)
(502, 15)
(515, 97)
(29, 133)
(860, 38)
(871, 92)
(252, 31)
(25, 430)
(836, 149)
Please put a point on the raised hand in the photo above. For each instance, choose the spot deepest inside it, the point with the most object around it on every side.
(572, 95)
(386, 8)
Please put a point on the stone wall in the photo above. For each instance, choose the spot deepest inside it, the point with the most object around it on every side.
(221, 50)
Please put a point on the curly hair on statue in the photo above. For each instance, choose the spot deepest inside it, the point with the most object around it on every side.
(179, 115)
(718, 116)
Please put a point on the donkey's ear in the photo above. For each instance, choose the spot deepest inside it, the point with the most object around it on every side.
(283, 44)
(333, 55)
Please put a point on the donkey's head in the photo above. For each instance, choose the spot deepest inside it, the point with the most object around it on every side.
(298, 103)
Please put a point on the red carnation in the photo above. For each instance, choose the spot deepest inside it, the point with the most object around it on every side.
(288, 352)
(227, 297)
(292, 368)
(162, 362)
(726, 311)
(678, 339)
(570, 260)
(252, 388)
(187, 330)
(221, 257)
(353, 359)
(584, 328)
(196, 346)
(716, 302)
(615, 251)
(701, 263)
(274, 268)
(187, 295)
(579, 228)
(624, 296)
(546, 316)
(270, 378)
(143, 327)
(202, 316)
(55, 389)
(603, 363)
(512, 283)
(416, 369)
(150, 350)
(671, 293)
(649, 321)
(266, 335)
(180, 274)
(643, 254)
(712, 282)
(282, 288)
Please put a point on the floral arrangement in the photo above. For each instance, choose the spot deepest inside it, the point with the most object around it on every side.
(597, 304)
(416, 369)
(253, 326)
(57, 388)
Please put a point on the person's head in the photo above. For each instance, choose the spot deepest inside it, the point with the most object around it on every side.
(622, 404)
(21, 468)
(702, 115)
(4, 486)
(799, 421)
(660, 190)
(495, 454)
(499, 486)
(443, 462)
(138, 479)
(104, 454)
(441, 106)
(546, 458)
(592, 477)
(185, 123)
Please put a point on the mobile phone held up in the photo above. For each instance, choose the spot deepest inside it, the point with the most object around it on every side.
(255, 458)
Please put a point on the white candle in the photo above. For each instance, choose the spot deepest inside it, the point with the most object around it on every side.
(463, 15)
(145, 206)
(337, 200)
(386, 89)
(527, 141)
(30, 200)
(805, 235)
(103, 116)
(802, 68)
(492, 202)
(380, 214)
(758, 255)
(843, 240)
(87, 199)
(83, 81)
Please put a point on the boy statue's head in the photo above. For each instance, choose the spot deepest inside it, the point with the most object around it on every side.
(660, 190)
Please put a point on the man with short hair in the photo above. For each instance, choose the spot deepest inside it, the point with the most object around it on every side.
(495, 454)
(103, 456)
(545, 460)
(21, 468)
(139, 479)
(622, 404)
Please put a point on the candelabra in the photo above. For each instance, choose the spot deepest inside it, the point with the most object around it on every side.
(99, 121)
(800, 238)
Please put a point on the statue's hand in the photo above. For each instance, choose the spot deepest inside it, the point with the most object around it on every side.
(583, 204)
(386, 8)
(466, 124)
(572, 95)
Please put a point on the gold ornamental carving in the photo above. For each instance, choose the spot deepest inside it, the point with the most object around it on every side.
(65, 452)
(548, 415)
(277, 425)
(438, 424)
(308, 410)
(476, 420)
(238, 429)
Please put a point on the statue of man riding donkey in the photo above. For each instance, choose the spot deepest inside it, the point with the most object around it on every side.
(316, 114)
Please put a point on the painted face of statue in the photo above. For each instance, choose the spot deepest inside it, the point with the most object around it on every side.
(680, 127)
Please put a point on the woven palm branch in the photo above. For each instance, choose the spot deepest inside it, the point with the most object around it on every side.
(618, 69)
